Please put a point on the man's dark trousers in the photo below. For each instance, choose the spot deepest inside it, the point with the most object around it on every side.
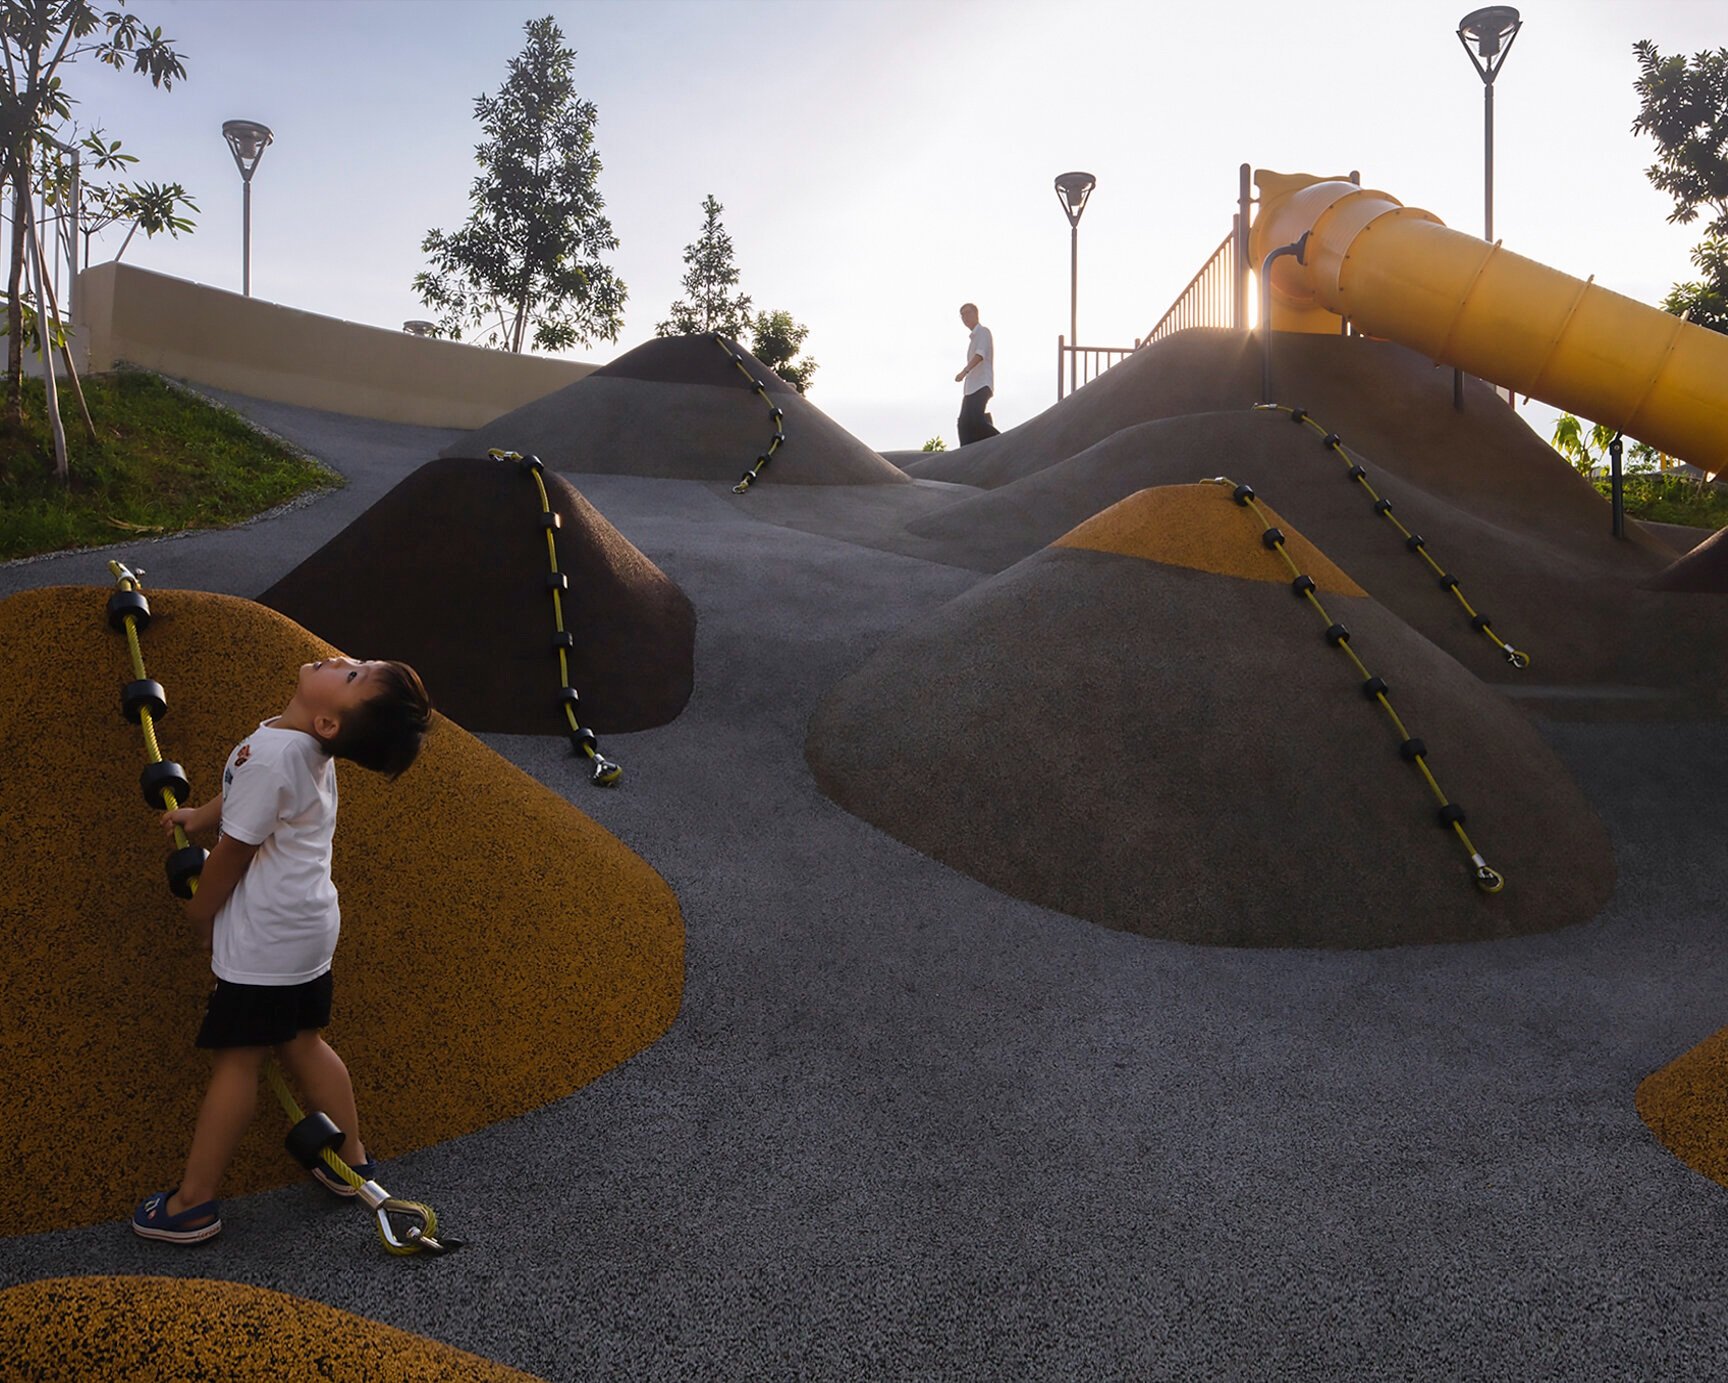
(974, 424)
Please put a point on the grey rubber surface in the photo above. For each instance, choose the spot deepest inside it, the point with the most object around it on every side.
(906, 1127)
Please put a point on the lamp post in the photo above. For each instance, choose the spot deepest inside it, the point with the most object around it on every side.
(1492, 31)
(1072, 190)
(246, 140)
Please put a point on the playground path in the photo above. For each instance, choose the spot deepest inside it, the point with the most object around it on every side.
(906, 1126)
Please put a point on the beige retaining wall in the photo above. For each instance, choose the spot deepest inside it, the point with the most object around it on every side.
(211, 336)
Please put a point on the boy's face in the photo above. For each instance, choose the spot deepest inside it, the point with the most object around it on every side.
(329, 689)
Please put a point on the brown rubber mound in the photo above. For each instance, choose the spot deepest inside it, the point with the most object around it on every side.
(448, 572)
(1702, 571)
(667, 410)
(1169, 751)
(1571, 596)
(692, 360)
(499, 949)
(1686, 1106)
(177, 1330)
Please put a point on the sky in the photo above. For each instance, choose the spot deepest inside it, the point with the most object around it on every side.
(882, 161)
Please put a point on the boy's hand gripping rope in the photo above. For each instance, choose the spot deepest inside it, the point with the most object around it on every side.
(404, 1226)
(1414, 542)
(582, 739)
(776, 414)
(1413, 750)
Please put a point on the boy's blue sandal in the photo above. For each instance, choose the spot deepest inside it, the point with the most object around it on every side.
(334, 1184)
(152, 1220)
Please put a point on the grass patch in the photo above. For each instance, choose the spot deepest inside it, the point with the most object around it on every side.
(163, 461)
(1671, 499)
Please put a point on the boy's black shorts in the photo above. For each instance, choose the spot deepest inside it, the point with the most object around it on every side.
(264, 1015)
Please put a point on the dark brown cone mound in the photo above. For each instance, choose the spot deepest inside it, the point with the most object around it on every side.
(679, 409)
(1179, 753)
(448, 572)
(1702, 571)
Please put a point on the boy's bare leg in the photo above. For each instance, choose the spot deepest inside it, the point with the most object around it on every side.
(323, 1079)
(228, 1107)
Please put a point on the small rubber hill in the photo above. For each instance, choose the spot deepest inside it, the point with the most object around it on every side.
(678, 408)
(499, 948)
(1142, 726)
(448, 572)
(1383, 400)
(185, 1330)
(1702, 571)
(1685, 1103)
(1563, 590)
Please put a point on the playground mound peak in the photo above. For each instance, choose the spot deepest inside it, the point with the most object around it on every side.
(132, 1327)
(1170, 748)
(448, 572)
(1186, 526)
(680, 409)
(693, 360)
(499, 948)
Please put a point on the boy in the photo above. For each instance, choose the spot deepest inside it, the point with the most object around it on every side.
(267, 906)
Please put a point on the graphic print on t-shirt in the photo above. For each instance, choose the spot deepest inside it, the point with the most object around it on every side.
(240, 758)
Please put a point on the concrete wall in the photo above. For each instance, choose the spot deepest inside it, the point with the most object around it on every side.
(211, 336)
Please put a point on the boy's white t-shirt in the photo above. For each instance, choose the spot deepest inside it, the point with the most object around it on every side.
(280, 924)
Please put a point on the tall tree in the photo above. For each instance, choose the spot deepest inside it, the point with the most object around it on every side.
(710, 276)
(527, 267)
(39, 39)
(1683, 106)
(776, 340)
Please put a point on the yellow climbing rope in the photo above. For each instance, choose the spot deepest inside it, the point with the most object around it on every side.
(1413, 542)
(1413, 750)
(583, 740)
(776, 414)
(404, 1226)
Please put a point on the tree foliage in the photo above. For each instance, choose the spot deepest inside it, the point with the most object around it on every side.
(103, 202)
(527, 266)
(39, 39)
(710, 278)
(776, 340)
(1585, 445)
(1683, 107)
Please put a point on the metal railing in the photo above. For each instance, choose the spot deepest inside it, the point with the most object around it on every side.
(1083, 364)
(1212, 297)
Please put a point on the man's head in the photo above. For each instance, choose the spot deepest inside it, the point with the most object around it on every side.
(969, 315)
(372, 713)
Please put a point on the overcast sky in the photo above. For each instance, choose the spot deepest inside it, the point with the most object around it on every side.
(880, 161)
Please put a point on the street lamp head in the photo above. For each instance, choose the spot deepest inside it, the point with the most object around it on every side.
(1491, 30)
(246, 141)
(1072, 190)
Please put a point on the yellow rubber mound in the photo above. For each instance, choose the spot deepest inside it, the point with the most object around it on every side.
(1189, 526)
(1685, 1103)
(499, 949)
(173, 1329)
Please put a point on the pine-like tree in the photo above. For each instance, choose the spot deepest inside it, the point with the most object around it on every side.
(526, 268)
(709, 302)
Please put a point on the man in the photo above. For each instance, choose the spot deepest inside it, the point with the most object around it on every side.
(979, 380)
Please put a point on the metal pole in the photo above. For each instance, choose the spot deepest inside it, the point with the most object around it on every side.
(1073, 302)
(1299, 249)
(1488, 162)
(1244, 214)
(1616, 487)
(246, 240)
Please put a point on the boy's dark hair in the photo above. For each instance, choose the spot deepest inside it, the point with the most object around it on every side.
(383, 732)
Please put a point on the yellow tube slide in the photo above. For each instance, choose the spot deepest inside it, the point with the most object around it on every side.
(1398, 272)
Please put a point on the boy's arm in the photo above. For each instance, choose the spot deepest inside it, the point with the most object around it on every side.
(193, 820)
(222, 873)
